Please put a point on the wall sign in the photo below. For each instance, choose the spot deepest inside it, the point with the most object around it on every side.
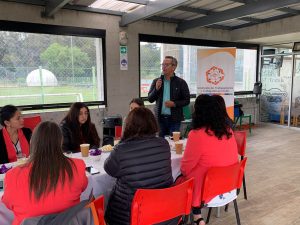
(123, 58)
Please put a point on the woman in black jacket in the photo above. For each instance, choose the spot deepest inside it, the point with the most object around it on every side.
(140, 160)
(77, 128)
(14, 138)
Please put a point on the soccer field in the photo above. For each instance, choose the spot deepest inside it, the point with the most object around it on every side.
(46, 95)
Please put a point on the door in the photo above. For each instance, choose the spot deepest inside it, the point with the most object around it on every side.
(295, 106)
(276, 74)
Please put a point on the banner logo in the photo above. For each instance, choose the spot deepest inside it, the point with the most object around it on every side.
(215, 75)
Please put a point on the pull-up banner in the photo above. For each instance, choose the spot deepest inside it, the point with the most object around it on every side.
(216, 74)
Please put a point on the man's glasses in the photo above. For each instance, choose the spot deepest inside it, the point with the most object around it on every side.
(166, 65)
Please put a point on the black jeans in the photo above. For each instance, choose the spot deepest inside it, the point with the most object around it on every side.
(167, 126)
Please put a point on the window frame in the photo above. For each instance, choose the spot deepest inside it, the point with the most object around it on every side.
(197, 42)
(62, 30)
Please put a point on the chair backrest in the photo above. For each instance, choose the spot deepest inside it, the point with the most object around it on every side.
(80, 214)
(32, 122)
(99, 206)
(220, 180)
(151, 206)
(118, 132)
(241, 139)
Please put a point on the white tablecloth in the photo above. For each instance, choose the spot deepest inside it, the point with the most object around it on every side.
(101, 183)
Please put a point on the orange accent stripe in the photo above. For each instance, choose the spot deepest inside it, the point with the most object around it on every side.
(207, 52)
(230, 112)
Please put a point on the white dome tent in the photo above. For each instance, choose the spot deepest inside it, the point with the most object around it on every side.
(48, 78)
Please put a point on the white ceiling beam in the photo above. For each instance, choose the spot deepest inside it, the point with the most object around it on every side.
(151, 9)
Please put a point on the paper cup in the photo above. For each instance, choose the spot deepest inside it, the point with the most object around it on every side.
(179, 147)
(84, 148)
(176, 136)
(116, 141)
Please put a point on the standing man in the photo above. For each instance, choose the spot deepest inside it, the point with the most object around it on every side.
(171, 94)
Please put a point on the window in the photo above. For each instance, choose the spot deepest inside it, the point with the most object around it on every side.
(153, 53)
(51, 70)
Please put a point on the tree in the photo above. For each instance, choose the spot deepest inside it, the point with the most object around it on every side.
(150, 60)
(6, 57)
(63, 60)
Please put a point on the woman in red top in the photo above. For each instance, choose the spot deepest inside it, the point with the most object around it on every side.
(49, 183)
(210, 143)
(14, 137)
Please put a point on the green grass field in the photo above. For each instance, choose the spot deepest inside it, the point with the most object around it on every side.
(20, 95)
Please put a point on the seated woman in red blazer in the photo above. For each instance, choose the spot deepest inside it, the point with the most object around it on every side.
(210, 143)
(14, 138)
(49, 182)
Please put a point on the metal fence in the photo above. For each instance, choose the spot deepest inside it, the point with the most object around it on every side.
(70, 60)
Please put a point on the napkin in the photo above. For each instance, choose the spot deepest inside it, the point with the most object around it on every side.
(4, 169)
(95, 152)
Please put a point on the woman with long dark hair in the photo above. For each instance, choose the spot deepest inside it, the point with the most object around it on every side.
(77, 128)
(14, 138)
(135, 103)
(222, 104)
(140, 160)
(210, 143)
(49, 182)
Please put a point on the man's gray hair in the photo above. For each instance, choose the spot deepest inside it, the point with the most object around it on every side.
(174, 60)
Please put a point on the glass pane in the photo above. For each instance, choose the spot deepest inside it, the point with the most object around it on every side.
(295, 112)
(152, 54)
(245, 69)
(47, 69)
(276, 76)
(282, 49)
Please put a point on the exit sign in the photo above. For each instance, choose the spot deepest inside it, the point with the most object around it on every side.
(123, 49)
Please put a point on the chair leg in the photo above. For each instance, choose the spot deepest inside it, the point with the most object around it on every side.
(191, 219)
(218, 213)
(250, 124)
(244, 187)
(208, 215)
(241, 121)
(237, 215)
(236, 119)
(226, 207)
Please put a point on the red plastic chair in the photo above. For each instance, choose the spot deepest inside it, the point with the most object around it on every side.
(32, 122)
(241, 139)
(118, 132)
(97, 208)
(220, 181)
(151, 206)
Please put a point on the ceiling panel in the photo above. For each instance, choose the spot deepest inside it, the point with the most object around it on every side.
(228, 6)
(178, 14)
(201, 3)
(115, 5)
(296, 7)
(268, 14)
(232, 23)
